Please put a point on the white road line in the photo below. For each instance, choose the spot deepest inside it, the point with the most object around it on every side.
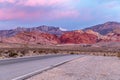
(30, 74)
(41, 70)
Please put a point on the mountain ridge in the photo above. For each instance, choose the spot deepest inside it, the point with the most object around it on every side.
(43, 28)
(109, 31)
(105, 28)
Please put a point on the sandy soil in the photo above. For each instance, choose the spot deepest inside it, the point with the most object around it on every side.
(86, 68)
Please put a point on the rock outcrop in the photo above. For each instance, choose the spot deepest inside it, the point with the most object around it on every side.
(33, 37)
(76, 37)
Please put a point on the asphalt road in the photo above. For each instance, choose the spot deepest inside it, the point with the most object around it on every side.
(17, 69)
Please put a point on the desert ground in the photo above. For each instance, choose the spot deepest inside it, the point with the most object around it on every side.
(85, 68)
(19, 50)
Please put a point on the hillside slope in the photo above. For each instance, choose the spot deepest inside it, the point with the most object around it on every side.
(105, 28)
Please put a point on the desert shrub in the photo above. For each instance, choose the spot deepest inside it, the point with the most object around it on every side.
(34, 51)
(21, 55)
(0, 54)
(1, 51)
(104, 54)
(55, 51)
(41, 51)
(6, 52)
(118, 54)
(72, 53)
(13, 54)
(23, 52)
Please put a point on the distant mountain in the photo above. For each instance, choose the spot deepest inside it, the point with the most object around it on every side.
(45, 35)
(105, 28)
(90, 35)
(48, 29)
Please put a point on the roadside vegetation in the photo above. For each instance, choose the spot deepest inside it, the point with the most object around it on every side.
(118, 55)
(26, 51)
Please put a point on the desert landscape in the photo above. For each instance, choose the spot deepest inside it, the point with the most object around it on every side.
(103, 39)
(59, 40)
(101, 50)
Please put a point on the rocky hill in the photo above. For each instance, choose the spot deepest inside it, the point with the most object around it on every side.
(112, 36)
(78, 37)
(48, 29)
(33, 37)
(105, 28)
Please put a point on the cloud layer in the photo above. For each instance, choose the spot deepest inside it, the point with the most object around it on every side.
(59, 12)
(35, 10)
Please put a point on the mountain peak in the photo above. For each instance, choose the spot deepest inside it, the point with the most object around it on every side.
(105, 28)
(47, 29)
(112, 23)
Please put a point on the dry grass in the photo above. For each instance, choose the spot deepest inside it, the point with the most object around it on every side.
(61, 49)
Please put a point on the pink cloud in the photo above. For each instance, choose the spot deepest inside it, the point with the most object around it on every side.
(8, 1)
(39, 13)
(65, 14)
(36, 2)
(19, 15)
(41, 2)
(12, 14)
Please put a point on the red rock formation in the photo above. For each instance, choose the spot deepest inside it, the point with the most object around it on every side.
(33, 37)
(113, 36)
(110, 37)
(78, 37)
(73, 37)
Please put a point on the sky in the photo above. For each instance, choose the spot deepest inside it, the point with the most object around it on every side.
(67, 14)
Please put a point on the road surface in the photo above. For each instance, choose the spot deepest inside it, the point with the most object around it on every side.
(17, 69)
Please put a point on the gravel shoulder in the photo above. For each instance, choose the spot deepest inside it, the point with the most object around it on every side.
(85, 68)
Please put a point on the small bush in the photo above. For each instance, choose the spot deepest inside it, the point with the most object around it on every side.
(72, 53)
(104, 54)
(41, 51)
(55, 51)
(13, 54)
(23, 52)
(118, 55)
(34, 51)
